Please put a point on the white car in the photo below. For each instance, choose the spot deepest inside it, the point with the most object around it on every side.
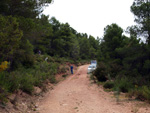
(91, 68)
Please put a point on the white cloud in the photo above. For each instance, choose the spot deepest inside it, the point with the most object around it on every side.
(92, 17)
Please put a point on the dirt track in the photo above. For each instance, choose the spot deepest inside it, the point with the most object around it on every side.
(76, 94)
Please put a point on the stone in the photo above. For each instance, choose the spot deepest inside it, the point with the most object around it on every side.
(37, 90)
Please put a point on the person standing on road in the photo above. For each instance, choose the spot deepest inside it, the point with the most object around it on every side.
(71, 67)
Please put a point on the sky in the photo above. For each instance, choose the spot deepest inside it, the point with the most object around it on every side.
(92, 16)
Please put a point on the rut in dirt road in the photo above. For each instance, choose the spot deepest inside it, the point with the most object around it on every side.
(76, 94)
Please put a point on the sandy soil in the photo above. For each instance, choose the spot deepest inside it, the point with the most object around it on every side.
(76, 94)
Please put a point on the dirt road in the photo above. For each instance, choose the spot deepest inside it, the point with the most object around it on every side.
(76, 94)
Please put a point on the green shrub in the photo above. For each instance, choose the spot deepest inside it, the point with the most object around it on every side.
(26, 78)
(101, 72)
(26, 83)
(41, 58)
(14, 81)
(123, 84)
(59, 60)
(3, 95)
(143, 93)
(52, 79)
(53, 68)
(109, 84)
(9, 81)
(114, 68)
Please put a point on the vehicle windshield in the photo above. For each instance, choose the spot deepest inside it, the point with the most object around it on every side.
(93, 62)
(92, 66)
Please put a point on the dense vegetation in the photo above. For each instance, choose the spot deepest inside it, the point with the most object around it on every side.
(124, 62)
(24, 32)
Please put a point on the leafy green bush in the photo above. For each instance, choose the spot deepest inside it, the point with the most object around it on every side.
(123, 84)
(8, 81)
(3, 95)
(115, 68)
(101, 72)
(41, 58)
(143, 93)
(27, 83)
(26, 78)
(52, 79)
(43, 71)
(109, 84)
(59, 60)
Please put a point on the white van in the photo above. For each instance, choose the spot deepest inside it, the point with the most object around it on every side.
(92, 66)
